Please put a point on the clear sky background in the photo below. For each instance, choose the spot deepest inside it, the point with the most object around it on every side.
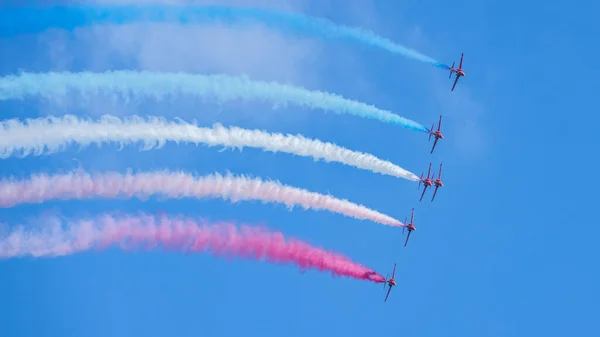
(508, 248)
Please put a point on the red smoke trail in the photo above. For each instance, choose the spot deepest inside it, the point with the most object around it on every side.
(182, 235)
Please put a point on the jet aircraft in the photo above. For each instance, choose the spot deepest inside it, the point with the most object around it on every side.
(438, 182)
(427, 182)
(409, 226)
(437, 134)
(459, 72)
(391, 283)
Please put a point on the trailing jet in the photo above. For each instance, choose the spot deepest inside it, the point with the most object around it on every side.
(391, 283)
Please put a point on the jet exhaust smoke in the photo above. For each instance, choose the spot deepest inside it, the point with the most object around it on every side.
(52, 134)
(31, 19)
(180, 234)
(80, 185)
(133, 85)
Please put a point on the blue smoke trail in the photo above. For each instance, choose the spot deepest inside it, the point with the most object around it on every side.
(220, 87)
(31, 20)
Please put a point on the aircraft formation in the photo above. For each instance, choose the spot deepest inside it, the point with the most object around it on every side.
(429, 180)
(74, 187)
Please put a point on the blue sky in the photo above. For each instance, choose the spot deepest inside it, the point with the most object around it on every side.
(506, 248)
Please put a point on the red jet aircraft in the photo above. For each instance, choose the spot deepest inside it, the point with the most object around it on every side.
(438, 182)
(427, 182)
(436, 134)
(459, 72)
(409, 226)
(391, 282)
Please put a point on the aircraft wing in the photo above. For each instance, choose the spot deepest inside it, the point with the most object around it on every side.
(388, 293)
(407, 238)
(434, 192)
(455, 81)
(434, 143)
(422, 194)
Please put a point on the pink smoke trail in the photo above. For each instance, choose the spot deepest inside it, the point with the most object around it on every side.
(180, 234)
(81, 185)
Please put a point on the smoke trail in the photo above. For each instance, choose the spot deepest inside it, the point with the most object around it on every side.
(80, 185)
(179, 234)
(31, 20)
(147, 84)
(49, 135)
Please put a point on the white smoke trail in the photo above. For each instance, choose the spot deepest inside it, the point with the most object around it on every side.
(51, 134)
(81, 185)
